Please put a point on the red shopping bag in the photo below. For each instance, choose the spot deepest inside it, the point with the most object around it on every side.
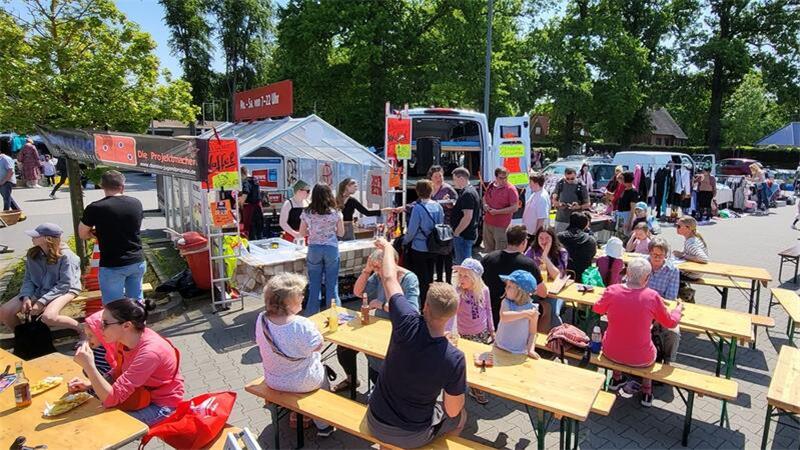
(195, 423)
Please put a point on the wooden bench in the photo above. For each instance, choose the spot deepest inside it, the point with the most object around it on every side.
(93, 295)
(682, 379)
(603, 403)
(792, 256)
(790, 302)
(783, 395)
(219, 442)
(345, 414)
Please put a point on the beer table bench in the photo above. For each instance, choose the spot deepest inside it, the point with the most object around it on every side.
(345, 414)
(87, 426)
(790, 302)
(783, 396)
(792, 256)
(567, 393)
(682, 379)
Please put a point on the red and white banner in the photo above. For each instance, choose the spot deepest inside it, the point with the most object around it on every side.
(272, 100)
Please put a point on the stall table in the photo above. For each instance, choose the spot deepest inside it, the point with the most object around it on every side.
(87, 426)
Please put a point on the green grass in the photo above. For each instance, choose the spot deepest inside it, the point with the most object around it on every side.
(15, 284)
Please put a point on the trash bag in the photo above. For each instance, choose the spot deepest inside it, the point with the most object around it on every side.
(183, 283)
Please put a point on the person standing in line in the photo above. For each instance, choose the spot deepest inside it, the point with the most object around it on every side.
(8, 179)
(425, 215)
(323, 224)
(446, 196)
(569, 196)
(116, 221)
(627, 204)
(61, 169)
(252, 215)
(348, 204)
(706, 191)
(536, 215)
(292, 209)
(464, 217)
(31, 164)
(500, 202)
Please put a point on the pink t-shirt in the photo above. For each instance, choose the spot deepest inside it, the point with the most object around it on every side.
(630, 314)
(153, 364)
(474, 318)
(639, 246)
(499, 198)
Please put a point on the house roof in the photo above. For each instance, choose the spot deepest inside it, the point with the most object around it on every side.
(789, 135)
(663, 123)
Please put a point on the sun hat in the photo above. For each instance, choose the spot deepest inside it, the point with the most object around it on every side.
(613, 248)
(641, 205)
(45, 229)
(521, 278)
(471, 264)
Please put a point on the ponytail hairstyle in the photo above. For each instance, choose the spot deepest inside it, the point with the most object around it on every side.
(690, 223)
(130, 310)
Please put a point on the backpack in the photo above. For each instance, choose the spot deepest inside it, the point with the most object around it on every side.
(565, 338)
(32, 339)
(591, 276)
(440, 241)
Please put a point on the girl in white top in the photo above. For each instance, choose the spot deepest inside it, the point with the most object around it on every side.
(290, 344)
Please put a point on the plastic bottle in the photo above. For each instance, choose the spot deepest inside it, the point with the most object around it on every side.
(22, 388)
(543, 269)
(597, 340)
(333, 316)
(364, 309)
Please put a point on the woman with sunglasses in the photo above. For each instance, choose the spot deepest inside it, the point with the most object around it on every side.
(292, 209)
(146, 381)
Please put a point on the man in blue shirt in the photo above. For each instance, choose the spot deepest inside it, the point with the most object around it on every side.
(665, 279)
(420, 363)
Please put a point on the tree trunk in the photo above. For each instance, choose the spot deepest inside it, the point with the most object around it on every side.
(569, 127)
(718, 82)
(76, 202)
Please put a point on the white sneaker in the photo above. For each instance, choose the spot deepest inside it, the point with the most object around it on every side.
(52, 196)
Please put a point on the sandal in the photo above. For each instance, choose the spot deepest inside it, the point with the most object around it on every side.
(479, 396)
(344, 386)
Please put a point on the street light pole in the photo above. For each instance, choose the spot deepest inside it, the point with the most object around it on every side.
(488, 78)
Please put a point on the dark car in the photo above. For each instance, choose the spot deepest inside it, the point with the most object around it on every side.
(735, 166)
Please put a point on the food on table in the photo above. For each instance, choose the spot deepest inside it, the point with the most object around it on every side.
(45, 384)
(66, 403)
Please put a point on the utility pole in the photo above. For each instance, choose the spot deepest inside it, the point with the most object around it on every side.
(488, 80)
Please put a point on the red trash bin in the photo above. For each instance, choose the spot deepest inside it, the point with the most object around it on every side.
(194, 249)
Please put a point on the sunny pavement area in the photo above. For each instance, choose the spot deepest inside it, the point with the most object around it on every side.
(219, 353)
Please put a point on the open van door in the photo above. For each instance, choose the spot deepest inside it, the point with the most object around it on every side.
(511, 148)
(702, 161)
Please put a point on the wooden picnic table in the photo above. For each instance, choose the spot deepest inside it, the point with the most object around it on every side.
(566, 392)
(784, 389)
(792, 256)
(87, 426)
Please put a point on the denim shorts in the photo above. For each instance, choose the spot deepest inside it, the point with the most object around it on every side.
(151, 414)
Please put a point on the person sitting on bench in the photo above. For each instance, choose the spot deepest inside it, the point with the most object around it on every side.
(52, 280)
(631, 308)
(420, 362)
(290, 344)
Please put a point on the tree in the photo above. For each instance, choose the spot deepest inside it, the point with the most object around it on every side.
(190, 41)
(750, 112)
(81, 64)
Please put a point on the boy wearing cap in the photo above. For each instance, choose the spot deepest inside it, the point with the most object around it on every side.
(52, 279)
(518, 315)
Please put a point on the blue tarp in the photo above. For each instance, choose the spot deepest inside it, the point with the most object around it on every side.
(788, 136)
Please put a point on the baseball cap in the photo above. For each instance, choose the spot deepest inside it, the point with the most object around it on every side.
(613, 248)
(521, 278)
(471, 264)
(45, 229)
(641, 205)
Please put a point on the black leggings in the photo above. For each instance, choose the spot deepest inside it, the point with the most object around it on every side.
(424, 264)
(347, 359)
(444, 265)
(59, 184)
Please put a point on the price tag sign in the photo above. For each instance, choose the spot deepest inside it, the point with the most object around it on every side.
(225, 180)
(512, 151)
(517, 178)
(403, 151)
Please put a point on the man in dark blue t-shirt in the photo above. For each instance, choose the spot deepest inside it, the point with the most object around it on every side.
(420, 362)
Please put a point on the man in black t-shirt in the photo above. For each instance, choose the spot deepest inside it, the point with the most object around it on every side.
(464, 217)
(503, 262)
(580, 245)
(115, 221)
(627, 202)
(420, 363)
(252, 214)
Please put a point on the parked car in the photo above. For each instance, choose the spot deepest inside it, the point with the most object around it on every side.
(601, 169)
(735, 166)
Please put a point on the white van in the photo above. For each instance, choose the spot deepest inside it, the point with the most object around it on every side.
(654, 160)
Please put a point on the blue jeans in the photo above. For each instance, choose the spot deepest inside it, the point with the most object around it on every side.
(122, 282)
(151, 414)
(323, 261)
(5, 192)
(762, 195)
(462, 248)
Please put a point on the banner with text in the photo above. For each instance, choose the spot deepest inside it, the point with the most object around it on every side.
(398, 137)
(272, 100)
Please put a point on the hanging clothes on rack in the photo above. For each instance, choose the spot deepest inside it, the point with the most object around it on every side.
(662, 181)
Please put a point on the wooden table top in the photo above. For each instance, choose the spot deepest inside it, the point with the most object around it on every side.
(784, 389)
(710, 268)
(88, 426)
(558, 388)
(700, 317)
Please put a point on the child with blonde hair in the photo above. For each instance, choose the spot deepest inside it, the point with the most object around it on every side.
(519, 315)
(640, 239)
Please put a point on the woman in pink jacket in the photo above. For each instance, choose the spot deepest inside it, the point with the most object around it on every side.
(31, 164)
(631, 309)
(147, 382)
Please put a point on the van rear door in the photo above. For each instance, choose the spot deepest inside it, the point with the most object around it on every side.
(511, 148)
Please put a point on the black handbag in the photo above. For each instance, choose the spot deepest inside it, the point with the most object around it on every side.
(440, 241)
(32, 339)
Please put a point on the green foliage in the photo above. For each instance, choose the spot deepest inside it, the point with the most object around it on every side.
(81, 64)
(750, 113)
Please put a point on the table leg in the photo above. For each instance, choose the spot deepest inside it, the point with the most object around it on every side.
(724, 293)
(300, 431)
(729, 365)
(354, 382)
(790, 331)
(796, 263)
(780, 269)
(719, 354)
(752, 296)
(577, 433)
(687, 421)
(273, 408)
(568, 434)
(766, 427)
(541, 429)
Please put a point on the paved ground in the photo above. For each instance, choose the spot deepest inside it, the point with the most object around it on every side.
(219, 354)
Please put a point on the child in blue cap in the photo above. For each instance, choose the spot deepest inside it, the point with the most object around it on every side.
(516, 332)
